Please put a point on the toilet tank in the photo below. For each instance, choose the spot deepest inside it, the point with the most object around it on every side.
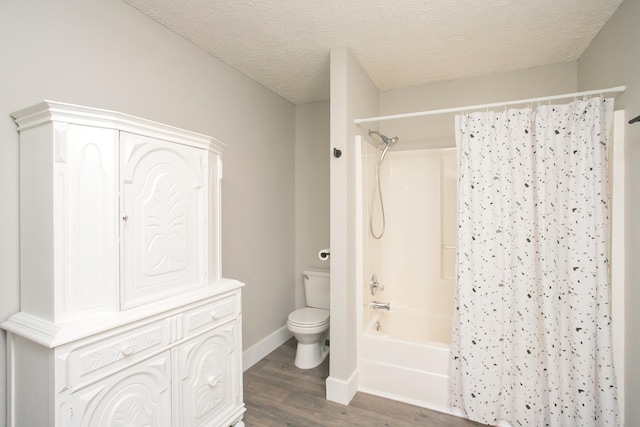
(316, 288)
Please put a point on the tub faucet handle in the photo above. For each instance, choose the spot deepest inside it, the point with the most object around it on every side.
(375, 285)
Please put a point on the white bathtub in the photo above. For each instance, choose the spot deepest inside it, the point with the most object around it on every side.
(404, 356)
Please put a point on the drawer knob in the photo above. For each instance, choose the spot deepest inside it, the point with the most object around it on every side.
(215, 315)
(212, 381)
(127, 350)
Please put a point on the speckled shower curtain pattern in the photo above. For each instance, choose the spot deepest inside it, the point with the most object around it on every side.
(532, 335)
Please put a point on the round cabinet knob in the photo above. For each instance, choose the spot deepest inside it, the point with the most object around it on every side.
(212, 381)
(214, 314)
(127, 350)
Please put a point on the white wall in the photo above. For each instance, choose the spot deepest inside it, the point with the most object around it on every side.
(106, 54)
(612, 59)
(312, 189)
(353, 95)
(438, 131)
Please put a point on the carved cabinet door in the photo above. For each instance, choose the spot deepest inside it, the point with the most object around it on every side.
(208, 377)
(164, 220)
(137, 396)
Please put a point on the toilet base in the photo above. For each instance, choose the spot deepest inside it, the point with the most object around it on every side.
(311, 355)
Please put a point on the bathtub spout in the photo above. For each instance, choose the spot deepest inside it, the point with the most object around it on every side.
(380, 305)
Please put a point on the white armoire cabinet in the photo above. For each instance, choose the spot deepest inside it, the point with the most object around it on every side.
(125, 320)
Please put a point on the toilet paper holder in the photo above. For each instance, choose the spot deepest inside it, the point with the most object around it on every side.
(324, 254)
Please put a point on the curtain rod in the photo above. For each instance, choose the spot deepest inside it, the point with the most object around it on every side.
(616, 89)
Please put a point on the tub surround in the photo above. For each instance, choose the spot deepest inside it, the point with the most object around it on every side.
(404, 352)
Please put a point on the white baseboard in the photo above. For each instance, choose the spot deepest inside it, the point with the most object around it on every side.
(438, 408)
(341, 391)
(258, 351)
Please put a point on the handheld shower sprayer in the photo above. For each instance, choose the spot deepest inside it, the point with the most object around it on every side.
(385, 144)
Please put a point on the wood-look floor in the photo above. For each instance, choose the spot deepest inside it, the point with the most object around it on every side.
(276, 393)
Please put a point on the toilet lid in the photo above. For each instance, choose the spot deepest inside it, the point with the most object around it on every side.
(309, 316)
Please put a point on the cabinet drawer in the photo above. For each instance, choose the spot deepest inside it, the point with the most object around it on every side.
(116, 351)
(209, 315)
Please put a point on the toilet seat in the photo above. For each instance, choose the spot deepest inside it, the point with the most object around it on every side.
(309, 317)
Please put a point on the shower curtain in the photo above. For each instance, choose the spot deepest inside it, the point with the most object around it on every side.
(531, 341)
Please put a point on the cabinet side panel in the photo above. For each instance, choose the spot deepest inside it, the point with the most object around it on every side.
(90, 227)
(36, 221)
(32, 401)
(215, 177)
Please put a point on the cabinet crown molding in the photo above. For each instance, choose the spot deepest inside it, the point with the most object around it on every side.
(53, 111)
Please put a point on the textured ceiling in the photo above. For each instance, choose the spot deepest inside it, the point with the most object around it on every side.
(284, 44)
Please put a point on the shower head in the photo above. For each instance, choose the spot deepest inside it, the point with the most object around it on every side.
(385, 139)
(388, 143)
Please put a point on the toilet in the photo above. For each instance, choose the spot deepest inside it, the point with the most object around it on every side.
(310, 325)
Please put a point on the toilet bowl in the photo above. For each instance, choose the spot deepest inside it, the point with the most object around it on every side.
(310, 325)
